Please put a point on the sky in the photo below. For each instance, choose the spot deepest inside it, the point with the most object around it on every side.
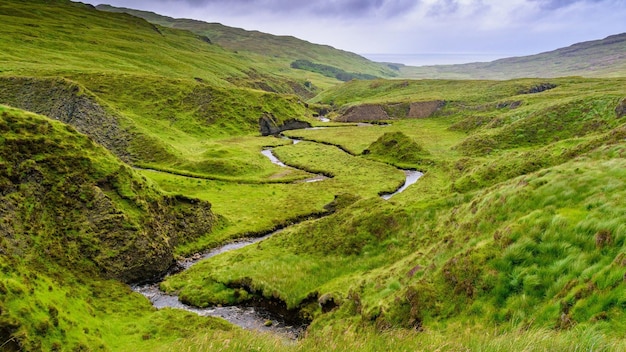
(414, 32)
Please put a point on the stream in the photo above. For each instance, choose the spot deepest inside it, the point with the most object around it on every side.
(249, 317)
(411, 177)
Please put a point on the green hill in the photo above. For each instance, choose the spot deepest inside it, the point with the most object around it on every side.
(152, 95)
(277, 52)
(597, 58)
(72, 218)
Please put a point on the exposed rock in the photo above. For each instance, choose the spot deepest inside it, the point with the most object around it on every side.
(538, 88)
(425, 108)
(63, 100)
(364, 113)
(509, 104)
(269, 126)
(327, 303)
(620, 110)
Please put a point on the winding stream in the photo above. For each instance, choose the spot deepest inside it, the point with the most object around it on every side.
(248, 317)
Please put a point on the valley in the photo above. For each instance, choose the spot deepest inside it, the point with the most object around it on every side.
(149, 164)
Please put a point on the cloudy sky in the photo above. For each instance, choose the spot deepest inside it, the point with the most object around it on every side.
(440, 31)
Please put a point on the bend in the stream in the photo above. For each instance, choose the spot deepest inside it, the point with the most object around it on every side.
(411, 177)
(260, 314)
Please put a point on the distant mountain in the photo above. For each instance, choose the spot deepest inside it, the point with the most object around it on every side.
(598, 58)
(283, 50)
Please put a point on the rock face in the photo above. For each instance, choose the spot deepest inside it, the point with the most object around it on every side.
(425, 109)
(268, 125)
(364, 113)
(620, 110)
(63, 100)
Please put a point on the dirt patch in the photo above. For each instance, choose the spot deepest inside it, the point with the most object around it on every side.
(538, 88)
(425, 109)
(364, 113)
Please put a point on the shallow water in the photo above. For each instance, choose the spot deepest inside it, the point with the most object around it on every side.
(270, 155)
(252, 318)
(411, 177)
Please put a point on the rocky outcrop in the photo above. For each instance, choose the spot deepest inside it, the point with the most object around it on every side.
(620, 110)
(65, 101)
(268, 125)
(538, 88)
(425, 108)
(363, 113)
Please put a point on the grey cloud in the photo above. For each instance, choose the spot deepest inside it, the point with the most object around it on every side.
(321, 8)
(354, 8)
(444, 7)
(558, 4)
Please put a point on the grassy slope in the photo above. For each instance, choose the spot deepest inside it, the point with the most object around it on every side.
(527, 234)
(598, 58)
(168, 89)
(275, 52)
(73, 217)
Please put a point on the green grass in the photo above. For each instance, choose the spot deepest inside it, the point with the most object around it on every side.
(512, 240)
(274, 53)
(169, 104)
(246, 209)
(254, 208)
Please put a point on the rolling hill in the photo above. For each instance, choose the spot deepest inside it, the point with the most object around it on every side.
(598, 58)
(279, 51)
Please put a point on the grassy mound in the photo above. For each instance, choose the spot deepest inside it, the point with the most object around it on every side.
(574, 118)
(398, 149)
(67, 197)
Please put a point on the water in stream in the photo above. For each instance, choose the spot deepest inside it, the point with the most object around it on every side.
(270, 155)
(411, 177)
(252, 318)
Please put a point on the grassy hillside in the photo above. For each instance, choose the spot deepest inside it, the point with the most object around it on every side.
(73, 217)
(154, 96)
(597, 58)
(513, 239)
(275, 52)
(524, 237)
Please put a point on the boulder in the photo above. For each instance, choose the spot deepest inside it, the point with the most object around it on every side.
(268, 125)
